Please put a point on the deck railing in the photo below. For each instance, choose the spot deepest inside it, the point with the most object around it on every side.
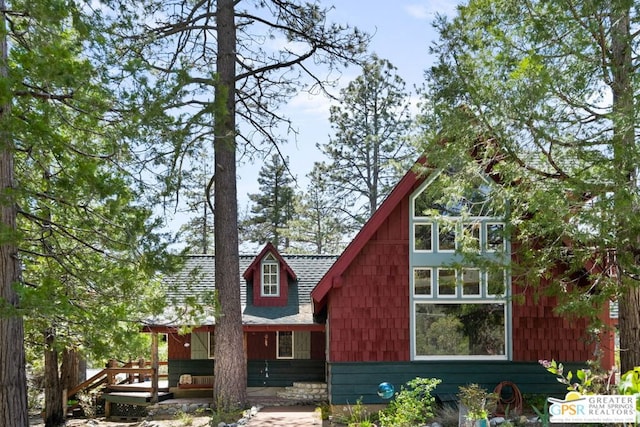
(112, 377)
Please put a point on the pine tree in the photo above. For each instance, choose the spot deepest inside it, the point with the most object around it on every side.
(79, 243)
(202, 72)
(370, 148)
(273, 208)
(317, 226)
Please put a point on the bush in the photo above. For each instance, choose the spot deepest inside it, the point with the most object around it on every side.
(412, 405)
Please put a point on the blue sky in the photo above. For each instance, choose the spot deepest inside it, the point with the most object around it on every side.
(402, 33)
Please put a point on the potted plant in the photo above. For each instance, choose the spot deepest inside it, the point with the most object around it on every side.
(477, 401)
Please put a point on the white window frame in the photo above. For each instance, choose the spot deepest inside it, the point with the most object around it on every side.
(485, 241)
(269, 262)
(450, 259)
(431, 278)
(413, 235)
(481, 288)
(443, 301)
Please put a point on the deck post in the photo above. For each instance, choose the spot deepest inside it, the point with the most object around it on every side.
(110, 376)
(131, 375)
(154, 366)
(141, 364)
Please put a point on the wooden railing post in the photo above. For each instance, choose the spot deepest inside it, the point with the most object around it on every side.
(141, 364)
(111, 378)
(132, 376)
(155, 367)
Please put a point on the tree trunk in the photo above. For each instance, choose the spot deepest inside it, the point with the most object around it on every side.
(13, 378)
(53, 405)
(624, 146)
(70, 374)
(230, 384)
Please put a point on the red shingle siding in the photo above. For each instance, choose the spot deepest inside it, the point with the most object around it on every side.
(369, 313)
(539, 333)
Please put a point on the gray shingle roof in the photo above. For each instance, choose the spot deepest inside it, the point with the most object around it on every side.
(192, 285)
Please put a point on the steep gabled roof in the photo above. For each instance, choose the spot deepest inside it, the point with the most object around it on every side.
(333, 277)
(268, 248)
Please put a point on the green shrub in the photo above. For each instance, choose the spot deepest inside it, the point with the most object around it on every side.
(413, 405)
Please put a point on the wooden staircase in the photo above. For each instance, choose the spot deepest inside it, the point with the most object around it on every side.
(125, 385)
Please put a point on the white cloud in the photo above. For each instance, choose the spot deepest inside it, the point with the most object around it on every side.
(429, 9)
(418, 11)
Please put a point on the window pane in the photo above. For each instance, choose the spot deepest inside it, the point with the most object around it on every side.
(212, 345)
(495, 237)
(460, 329)
(422, 281)
(422, 234)
(471, 281)
(270, 279)
(496, 282)
(285, 344)
(470, 237)
(446, 237)
(446, 282)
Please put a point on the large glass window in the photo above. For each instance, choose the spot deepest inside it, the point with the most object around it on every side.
(459, 298)
(454, 329)
(270, 277)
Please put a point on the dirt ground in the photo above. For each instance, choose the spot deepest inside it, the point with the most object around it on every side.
(192, 421)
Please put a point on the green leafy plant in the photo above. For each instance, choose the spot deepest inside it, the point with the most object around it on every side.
(185, 418)
(412, 405)
(543, 414)
(477, 400)
(357, 415)
(585, 381)
(630, 385)
(223, 416)
(325, 410)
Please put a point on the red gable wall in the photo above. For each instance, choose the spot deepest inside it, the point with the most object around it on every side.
(368, 314)
(368, 307)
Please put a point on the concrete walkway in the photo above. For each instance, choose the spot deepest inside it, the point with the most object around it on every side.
(286, 416)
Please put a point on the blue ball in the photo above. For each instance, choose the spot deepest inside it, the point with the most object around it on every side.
(385, 390)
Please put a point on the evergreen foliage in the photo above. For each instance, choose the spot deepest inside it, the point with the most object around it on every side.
(542, 96)
(273, 208)
(370, 149)
(317, 226)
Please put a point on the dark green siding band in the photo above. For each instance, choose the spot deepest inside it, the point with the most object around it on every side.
(352, 381)
(260, 373)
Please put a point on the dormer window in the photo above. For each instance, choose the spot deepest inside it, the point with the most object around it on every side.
(270, 276)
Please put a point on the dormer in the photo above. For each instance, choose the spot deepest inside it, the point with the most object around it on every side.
(269, 276)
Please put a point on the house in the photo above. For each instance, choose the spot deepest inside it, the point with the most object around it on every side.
(400, 302)
(283, 343)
